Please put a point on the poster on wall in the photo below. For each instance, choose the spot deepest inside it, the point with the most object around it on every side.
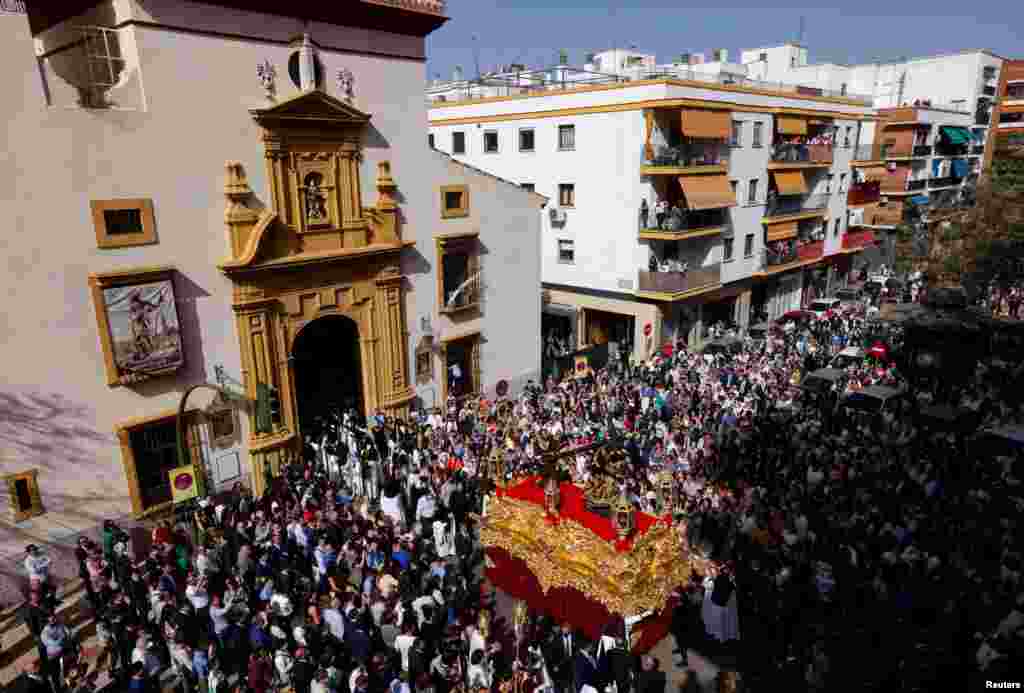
(183, 484)
(145, 335)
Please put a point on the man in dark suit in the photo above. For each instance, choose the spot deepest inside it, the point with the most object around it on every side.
(616, 666)
(562, 650)
(585, 666)
(651, 679)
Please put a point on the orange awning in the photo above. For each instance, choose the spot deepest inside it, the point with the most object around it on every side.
(790, 182)
(707, 192)
(708, 125)
(782, 231)
(788, 125)
(874, 173)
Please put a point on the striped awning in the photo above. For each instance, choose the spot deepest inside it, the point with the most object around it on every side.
(790, 182)
(707, 192)
(789, 125)
(705, 124)
(782, 231)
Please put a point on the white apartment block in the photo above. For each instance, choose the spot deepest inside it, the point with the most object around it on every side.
(744, 186)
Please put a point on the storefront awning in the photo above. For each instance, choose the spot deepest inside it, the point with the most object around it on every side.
(788, 125)
(956, 135)
(783, 231)
(704, 124)
(707, 192)
(790, 182)
(871, 173)
(919, 200)
(559, 309)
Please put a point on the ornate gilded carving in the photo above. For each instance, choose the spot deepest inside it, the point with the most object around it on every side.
(570, 555)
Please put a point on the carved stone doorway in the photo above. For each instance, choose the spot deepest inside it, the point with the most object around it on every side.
(328, 370)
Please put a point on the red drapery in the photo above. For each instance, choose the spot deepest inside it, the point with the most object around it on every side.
(565, 604)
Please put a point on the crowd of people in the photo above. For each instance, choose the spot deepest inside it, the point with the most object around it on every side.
(848, 548)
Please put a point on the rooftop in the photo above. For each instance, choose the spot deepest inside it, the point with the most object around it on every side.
(563, 78)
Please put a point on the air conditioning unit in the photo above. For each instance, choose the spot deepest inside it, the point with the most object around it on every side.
(557, 215)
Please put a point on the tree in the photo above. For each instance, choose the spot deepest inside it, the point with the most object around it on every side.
(947, 250)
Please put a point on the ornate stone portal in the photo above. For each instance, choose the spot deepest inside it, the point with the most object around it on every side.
(315, 252)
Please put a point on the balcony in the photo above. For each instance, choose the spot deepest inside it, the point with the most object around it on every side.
(891, 152)
(801, 156)
(95, 69)
(810, 251)
(796, 205)
(988, 90)
(946, 182)
(673, 285)
(686, 159)
(951, 150)
(977, 149)
(864, 193)
(855, 240)
(464, 295)
(922, 150)
(913, 185)
(982, 118)
(694, 224)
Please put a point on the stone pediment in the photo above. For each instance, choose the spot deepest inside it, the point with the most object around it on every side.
(309, 108)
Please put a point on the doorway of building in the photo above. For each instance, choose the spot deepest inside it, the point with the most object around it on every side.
(328, 371)
(604, 327)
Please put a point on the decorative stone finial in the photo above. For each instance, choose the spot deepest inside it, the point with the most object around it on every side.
(346, 85)
(236, 185)
(307, 64)
(267, 74)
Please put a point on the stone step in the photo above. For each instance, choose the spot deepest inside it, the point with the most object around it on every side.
(16, 637)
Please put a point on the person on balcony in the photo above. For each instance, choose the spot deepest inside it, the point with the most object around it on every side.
(660, 212)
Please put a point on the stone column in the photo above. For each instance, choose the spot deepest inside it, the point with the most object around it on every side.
(393, 367)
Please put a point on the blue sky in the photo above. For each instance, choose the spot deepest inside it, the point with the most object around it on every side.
(532, 31)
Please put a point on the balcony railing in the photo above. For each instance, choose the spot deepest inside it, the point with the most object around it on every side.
(679, 282)
(795, 204)
(889, 215)
(688, 220)
(944, 182)
(810, 251)
(784, 256)
(802, 153)
(951, 150)
(866, 152)
(889, 151)
(922, 150)
(977, 149)
(864, 193)
(916, 184)
(710, 154)
(683, 73)
(428, 6)
(461, 295)
(858, 239)
(988, 90)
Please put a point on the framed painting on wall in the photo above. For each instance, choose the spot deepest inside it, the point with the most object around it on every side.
(140, 332)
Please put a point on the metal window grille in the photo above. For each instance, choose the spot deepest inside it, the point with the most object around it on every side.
(103, 64)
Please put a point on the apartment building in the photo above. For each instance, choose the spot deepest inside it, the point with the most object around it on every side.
(1004, 155)
(964, 82)
(214, 193)
(675, 203)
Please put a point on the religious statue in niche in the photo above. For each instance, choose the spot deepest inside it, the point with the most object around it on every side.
(346, 84)
(316, 199)
(267, 74)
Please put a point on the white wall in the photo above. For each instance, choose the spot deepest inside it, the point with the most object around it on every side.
(604, 167)
(747, 162)
(508, 221)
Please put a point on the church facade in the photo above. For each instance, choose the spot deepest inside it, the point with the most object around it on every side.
(212, 204)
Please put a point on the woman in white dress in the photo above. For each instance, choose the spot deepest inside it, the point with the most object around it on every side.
(720, 612)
